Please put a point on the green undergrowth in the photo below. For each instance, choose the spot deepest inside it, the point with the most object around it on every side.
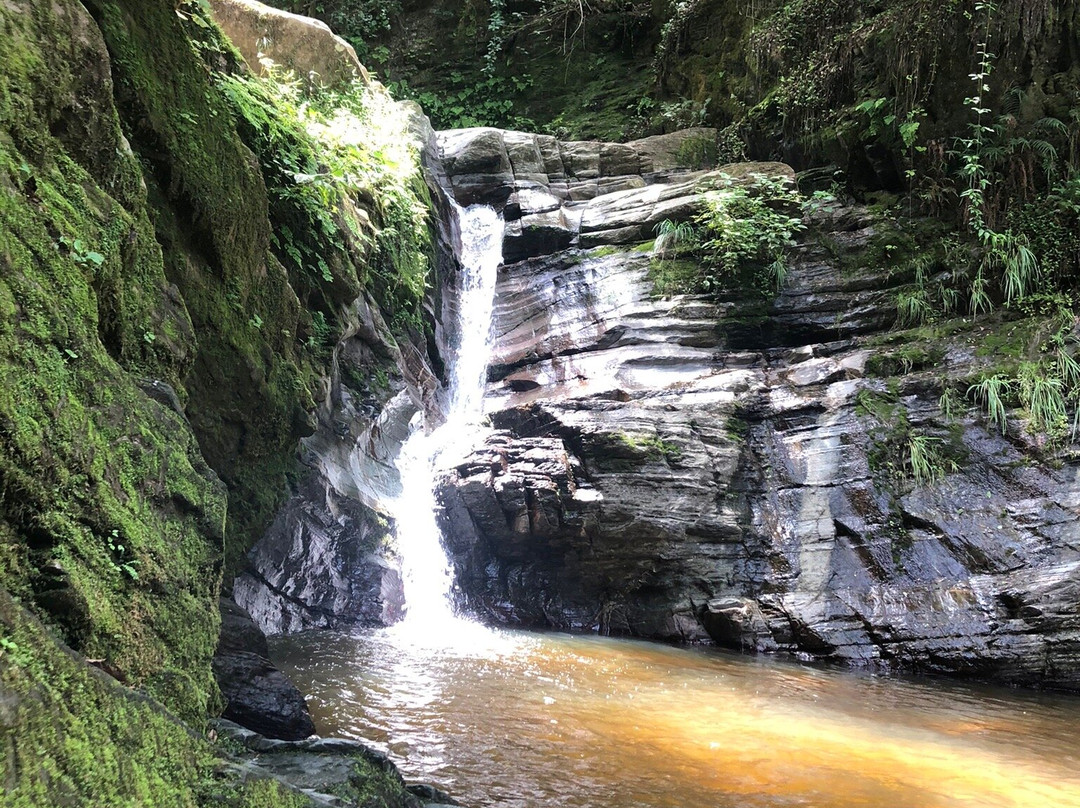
(348, 200)
(900, 454)
(275, 206)
(739, 242)
(139, 278)
(577, 70)
(71, 735)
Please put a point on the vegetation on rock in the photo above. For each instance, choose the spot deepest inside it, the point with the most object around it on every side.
(160, 354)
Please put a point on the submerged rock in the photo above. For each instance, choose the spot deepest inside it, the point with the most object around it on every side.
(329, 772)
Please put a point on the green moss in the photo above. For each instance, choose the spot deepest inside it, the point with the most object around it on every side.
(605, 251)
(1010, 340)
(258, 354)
(372, 786)
(122, 268)
(737, 429)
(246, 385)
(261, 794)
(72, 736)
(88, 463)
(674, 276)
(622, 451)
(907, 359)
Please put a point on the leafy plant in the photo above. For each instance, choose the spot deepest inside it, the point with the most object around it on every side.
(991, 393)
(485, 100)
(924, 459)
(81, 254)
(320, 331)
(120, 557)
(324, 156)
(913, 308)
(673, 237)
(949, 403)
(744, 225)
(1044, 397)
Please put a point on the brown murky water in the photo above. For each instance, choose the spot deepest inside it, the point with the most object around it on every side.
(524, 721)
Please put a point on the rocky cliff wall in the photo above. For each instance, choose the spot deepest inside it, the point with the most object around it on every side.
(159, 363)
(737, 469)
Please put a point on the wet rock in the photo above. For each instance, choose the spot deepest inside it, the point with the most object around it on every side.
(538, 234)
(737, 623)
(539, 183)
(321, 565)
(330, 772)
(257, 695)
(479, 168)
(163, 393)
(432, 796)
(692, 469)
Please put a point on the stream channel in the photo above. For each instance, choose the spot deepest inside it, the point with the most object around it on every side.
(521, 720)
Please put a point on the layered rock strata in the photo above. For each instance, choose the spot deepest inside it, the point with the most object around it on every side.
(737, 469)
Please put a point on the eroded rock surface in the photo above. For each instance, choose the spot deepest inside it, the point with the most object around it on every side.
(555, 194)
(322, 564)
(736, 469)
(327, 772)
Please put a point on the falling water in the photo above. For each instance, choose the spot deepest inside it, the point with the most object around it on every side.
(426, 571)
(511, 720)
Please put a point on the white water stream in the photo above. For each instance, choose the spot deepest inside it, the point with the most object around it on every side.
(513, 720)
(427, 576)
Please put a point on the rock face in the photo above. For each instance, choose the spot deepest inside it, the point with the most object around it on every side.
(327, 772)
(556, 194)
(327, 559)
(306, 46)
(257, 695)
(738, 469)
(320, 565)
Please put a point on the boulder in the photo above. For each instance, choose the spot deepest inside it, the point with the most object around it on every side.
(685, 149)
(325, 772)
(305, 46)
(478, 166)
(257, 695)
(321, 565)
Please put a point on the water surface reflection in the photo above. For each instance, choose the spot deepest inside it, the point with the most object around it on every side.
(523, 721)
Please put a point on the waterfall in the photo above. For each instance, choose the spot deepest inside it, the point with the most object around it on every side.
(425, 568)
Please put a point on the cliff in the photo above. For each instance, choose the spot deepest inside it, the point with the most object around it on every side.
(167, 340)
(783, 469)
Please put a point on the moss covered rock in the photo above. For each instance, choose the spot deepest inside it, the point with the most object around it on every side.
(112, 523)
(154, 382)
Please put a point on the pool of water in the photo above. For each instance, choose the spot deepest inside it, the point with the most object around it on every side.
(522, 720)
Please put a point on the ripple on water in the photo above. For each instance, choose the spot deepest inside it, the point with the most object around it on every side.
(523, 720)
